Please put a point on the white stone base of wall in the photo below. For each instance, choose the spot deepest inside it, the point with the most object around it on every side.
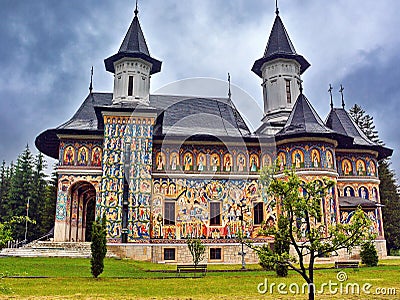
(155, 253)
(229, 253)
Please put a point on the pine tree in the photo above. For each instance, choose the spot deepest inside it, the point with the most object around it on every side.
(20, 189)
(365, 122)
(38, 196)
(3, 188)
(391, 201)
(98, 247)
(357, 113)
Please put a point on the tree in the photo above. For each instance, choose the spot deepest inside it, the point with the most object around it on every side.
(368, 254)
(98, 246)
(197, 250)
(4, 187)
(365, 122)
(37, 199)
(6, 229)
(20, 189)
(307, 236)
(391, 209)
(282, 245)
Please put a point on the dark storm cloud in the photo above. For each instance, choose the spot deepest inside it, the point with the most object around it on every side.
(375, 86)
(47, 48)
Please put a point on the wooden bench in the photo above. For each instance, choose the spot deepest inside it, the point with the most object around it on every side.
(346, 264)
(199, 269)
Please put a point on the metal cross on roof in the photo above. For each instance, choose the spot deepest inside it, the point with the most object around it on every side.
(341, 92)
(229, 86)
(91, 81)
(276, 7)
(136, 11)
(330, 92)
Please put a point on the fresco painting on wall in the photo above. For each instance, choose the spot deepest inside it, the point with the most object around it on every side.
(69, 156)
(361, 170)
(329, 160)
(254, 163)
(193, 198)
(201, 162)
(215, 162)
(346, 167)
(228, 162)
(188, 161)
(128, 138)
(281, 160)
(298, 158)
(241, 165)
(174, 161)
(315, 158)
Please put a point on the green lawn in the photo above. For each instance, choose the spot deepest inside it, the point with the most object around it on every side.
(127, 279)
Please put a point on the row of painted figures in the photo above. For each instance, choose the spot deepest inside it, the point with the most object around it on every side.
(82, 156)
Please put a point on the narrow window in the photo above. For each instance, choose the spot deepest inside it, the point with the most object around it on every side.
(169, 254)
(215, 254)
(130, 86)
(258, 216)
(215, 213)
(169, 213)
(288, 92)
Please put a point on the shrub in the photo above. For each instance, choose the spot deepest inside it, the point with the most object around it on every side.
(98, 247)
(369, 255)
(197, 250)
(266, 258)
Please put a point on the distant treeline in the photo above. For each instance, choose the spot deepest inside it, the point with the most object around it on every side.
(25, 181)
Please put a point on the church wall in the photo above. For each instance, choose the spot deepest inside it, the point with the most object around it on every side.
(193, 197)
(359, 178)
(127, 163)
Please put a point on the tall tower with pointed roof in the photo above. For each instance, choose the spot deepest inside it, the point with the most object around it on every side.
(280, 69)
(132, 67)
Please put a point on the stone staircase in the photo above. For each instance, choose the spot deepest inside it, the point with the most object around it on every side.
(51, 249)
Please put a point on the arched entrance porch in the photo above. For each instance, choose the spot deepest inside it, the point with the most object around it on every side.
(82, 197)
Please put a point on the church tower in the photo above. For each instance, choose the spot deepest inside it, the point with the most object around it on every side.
(132, 67)
(280, 69)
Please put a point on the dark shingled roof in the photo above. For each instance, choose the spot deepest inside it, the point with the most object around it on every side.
(134, 45)
(340, 121)
(353, 202)
(279, 46)
(177, 116)
(304, 120)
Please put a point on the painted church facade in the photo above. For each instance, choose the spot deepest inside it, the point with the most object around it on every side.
(162, 168)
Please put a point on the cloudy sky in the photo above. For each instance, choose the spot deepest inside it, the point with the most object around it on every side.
(47, 48)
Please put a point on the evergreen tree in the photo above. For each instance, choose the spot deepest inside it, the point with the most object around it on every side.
(98, 247)
(20, 190)
(365, 122)
(391, 201)
(3, 188)
(357, 113)
(37, 201)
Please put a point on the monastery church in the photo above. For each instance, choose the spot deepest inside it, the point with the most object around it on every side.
(160, 177)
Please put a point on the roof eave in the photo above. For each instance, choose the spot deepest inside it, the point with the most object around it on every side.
(109, 62)
(304, 64)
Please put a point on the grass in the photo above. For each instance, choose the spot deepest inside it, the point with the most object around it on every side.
(127, 279)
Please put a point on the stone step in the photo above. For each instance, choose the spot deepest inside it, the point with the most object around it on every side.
(50, 249)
